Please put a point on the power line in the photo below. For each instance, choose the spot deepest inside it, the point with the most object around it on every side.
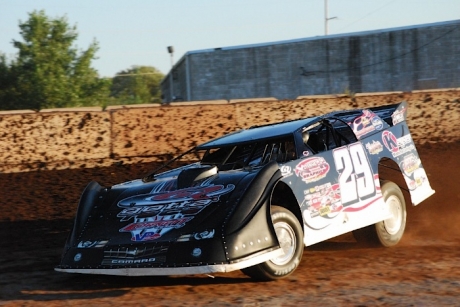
(368, 14)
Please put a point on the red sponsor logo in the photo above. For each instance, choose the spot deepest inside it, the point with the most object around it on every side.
(390, 141)
(154, 215)
(312, 169)
(366, 123)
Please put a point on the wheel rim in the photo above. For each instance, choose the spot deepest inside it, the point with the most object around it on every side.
(288, 242)
(393, 224)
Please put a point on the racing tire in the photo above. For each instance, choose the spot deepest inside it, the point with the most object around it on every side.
(290, 236)
(390, 231)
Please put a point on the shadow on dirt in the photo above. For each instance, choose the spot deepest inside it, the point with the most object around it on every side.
(31, 250)
(61, 286)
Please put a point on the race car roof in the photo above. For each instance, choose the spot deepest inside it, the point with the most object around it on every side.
(287, 128)
(259, 133)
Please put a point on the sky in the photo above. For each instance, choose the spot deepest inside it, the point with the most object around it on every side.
(138, 32)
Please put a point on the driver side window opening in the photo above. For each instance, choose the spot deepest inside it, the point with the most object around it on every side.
(317, 142)
(316, 137)
(328, 134)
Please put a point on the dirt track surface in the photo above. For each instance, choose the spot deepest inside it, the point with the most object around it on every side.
(37, 208)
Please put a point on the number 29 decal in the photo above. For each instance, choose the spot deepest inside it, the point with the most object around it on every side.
(356, 179)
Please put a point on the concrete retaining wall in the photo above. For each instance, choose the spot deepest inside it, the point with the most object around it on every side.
(91, 137)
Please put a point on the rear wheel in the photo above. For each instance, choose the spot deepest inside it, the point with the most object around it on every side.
(390, 231)
(290, 237)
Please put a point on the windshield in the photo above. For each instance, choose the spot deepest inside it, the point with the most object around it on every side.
(251, 154)
(235, 156)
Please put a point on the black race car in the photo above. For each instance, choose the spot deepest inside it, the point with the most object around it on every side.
(252, 199)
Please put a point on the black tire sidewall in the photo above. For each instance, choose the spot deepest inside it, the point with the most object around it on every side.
(280, 214)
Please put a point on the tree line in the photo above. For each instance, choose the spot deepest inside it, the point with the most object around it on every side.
(49, 72)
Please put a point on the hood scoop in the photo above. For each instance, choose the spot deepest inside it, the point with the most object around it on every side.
(187, 177)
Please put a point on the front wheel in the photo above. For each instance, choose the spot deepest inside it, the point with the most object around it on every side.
(290, 237)
(390, 231)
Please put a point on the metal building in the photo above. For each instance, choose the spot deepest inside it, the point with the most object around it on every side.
(397, 59)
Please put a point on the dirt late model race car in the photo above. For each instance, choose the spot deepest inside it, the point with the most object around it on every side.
(253, 199)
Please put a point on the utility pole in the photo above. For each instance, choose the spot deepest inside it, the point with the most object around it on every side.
(171, 85)
(326, 18)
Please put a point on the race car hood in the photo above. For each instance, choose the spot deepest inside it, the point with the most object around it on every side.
(138, 219)
(140, 211)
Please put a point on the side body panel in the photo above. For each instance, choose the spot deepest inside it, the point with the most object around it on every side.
(339, 190)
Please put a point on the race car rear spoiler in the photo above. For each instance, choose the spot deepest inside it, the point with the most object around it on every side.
(392, 114)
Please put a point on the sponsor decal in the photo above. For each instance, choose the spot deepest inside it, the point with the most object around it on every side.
(417, 178)
(196, 252)
(204, 235)
(171, 223)
(286, 171)
(92, 244)
(404, 140)
(207, 234)
(409, 164)
(366, 123)
(374, 148)
(128, 261)
(390, 141)
(398, 116)
(377, 123)
(397, 146)
(184, 238)
(323, 200)
(312, 169)
(153, 215)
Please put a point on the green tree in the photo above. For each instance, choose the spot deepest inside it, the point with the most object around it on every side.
(139, 84)
(48, 71)
(5, 81)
